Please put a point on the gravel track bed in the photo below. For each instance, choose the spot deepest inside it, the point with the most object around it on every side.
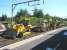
(4, 41)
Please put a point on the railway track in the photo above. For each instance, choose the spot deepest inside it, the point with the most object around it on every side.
(4, 41)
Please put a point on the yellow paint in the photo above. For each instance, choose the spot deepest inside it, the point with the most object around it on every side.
(20, 28)
(27, 34)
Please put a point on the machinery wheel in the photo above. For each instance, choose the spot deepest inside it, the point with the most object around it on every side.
(20, 35)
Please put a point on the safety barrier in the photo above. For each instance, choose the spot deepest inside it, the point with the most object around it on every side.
(28, 44)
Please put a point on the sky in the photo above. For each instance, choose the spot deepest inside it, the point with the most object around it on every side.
(52, 7)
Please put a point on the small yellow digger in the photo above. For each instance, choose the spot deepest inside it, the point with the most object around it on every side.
(23, 30)
(18, 30)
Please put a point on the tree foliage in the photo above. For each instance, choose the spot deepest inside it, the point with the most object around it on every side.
(4, 18)
(38, 13)
(22, 13)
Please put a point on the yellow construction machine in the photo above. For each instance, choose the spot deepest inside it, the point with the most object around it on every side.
(22, 29)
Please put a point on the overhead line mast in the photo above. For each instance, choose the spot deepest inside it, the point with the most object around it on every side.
(14, 6)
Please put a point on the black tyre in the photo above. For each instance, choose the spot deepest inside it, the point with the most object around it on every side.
(20, 35)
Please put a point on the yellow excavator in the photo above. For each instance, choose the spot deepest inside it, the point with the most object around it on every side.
(23, 30)
(18, 31)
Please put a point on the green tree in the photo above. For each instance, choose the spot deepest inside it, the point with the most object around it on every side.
(38, 13)
(22, 13)
(4, 17)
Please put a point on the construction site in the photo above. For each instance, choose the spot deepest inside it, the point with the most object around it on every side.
(24, 26)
